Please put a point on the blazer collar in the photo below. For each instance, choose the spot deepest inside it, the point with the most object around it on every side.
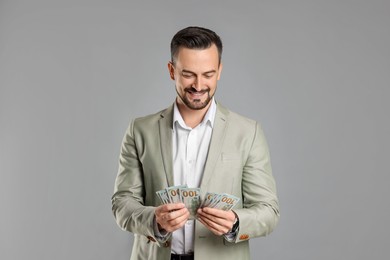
(165, 125)
(217, 137)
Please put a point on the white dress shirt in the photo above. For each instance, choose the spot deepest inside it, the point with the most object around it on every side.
(190, 148)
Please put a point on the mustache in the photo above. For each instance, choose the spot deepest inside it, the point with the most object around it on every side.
(194, 91)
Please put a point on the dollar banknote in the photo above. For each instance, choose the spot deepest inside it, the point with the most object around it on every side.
(225, 202)
(209, 199)
(191, 198)
(163, 196)
(174, 193)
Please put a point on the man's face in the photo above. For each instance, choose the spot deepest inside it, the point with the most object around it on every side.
(196, 73)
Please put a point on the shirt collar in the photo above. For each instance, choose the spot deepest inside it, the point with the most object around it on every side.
(208, 118)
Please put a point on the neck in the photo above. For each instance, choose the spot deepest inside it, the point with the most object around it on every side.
(191, 117)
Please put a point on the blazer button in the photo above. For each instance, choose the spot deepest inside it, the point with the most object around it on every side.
(151, 239)
(244, 237)
(167, 243)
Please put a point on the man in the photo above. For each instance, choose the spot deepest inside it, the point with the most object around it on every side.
(199, 143)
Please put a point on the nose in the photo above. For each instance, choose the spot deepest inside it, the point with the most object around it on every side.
(197, 84)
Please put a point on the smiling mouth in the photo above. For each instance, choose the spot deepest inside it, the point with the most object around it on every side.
(194, 92)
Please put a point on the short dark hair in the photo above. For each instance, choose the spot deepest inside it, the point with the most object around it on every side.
(195, 37)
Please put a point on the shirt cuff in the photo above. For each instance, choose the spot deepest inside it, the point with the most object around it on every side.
(162, 235)
(231, 236)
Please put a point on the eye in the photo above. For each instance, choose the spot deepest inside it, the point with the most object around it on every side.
(209, 75)
(187, 75)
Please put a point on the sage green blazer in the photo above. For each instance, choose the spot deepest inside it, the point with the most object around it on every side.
(238, 163)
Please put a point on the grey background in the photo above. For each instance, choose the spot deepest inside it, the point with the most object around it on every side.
(314, 73)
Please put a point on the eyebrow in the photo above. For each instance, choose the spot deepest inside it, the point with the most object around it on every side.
(204, 73)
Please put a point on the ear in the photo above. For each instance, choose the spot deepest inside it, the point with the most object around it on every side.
(171, 70)
(219, 70)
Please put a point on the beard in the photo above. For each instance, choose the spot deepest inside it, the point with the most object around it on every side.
(195, 104)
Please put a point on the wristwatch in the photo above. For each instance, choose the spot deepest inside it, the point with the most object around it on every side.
(235, 224)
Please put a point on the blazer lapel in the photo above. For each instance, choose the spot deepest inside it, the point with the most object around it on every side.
(217, 137)
(165, 124)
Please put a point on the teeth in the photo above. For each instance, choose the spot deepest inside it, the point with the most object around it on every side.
(197, 94)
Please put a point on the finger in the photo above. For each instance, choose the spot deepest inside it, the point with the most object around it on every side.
(206, 214)
(211, 227)
(218, 213)
(164, 218)
(220, 224)
(217, 223)
(167, 216)
(169, 207)
(172, 215)
(177, 222)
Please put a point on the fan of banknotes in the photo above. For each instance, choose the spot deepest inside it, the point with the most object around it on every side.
(191, 198)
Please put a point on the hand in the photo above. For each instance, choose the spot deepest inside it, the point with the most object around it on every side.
(171, 217)
(216, 220)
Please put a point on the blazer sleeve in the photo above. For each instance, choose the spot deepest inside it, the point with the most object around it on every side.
(260, 212)
(128, 200)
